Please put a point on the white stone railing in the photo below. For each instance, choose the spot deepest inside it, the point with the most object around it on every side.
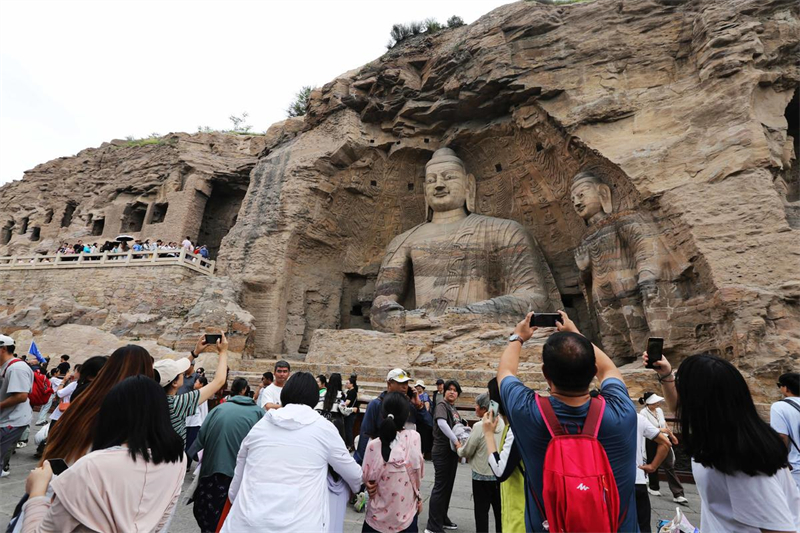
(109, 259)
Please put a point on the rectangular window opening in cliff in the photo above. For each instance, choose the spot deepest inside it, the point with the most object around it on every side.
(98, 226)
(133, 217)
(48, 216)
(69, 210)
(36, 233)
(793, 121)
(23, 227)
(221, 212)
(353, 311)
(158, 213)
(5, 235)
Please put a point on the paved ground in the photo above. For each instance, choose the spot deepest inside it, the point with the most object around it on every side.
(13, 487)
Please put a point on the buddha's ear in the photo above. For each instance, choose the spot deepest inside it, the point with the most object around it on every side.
(428, 210)
(605, 198)
(471, 193)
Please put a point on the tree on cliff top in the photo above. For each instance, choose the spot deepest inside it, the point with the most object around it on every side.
(300, 104)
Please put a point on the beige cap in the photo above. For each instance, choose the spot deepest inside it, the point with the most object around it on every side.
(169, 369)
(399, 375)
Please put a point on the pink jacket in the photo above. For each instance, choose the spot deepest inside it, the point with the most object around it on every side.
(395, 504)
(107, 491)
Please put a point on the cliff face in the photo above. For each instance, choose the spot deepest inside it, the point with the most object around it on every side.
(689, 109)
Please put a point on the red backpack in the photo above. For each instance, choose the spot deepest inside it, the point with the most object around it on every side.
(41, 390)
(579, 490)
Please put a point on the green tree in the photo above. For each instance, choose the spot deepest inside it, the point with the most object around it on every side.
(455, 21)
(299, 106)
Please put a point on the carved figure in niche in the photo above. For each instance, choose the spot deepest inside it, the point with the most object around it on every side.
(478, 268)
(622, 261)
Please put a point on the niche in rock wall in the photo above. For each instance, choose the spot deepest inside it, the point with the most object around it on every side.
(69, 210)
(48, 216)
(354, 308)
(159, 212)
(220, 214)
(36, 233)
(23, 227)
(5, 235)
(133, 217)
(98, 226)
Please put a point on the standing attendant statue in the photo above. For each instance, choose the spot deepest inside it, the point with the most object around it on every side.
(458, 263)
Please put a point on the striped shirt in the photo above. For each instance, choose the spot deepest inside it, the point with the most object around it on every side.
(181, 406)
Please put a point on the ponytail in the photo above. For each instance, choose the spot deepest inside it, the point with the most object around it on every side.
(644, 397)
(395, 410)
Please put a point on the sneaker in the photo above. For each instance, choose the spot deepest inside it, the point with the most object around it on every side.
(22, 444)
(361, 501)
(451, 525)
(41, 422)
(5, 473)
(681, 500)
(653, 492)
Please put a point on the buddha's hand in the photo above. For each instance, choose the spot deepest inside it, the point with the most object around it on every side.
(388, 315)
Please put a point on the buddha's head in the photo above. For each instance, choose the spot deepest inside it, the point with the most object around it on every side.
(591, 198)
(448, 186)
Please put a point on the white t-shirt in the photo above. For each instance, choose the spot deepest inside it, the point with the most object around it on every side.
(200, 414)
(785, 419)
(188, 245)
(272, 394)
(746, 504)
(657, 418)
(63, 395)
(645, 430)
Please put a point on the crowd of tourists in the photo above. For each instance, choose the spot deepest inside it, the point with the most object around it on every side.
(134, 245)
(284, 457)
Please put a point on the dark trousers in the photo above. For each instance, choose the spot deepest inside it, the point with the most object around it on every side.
(485, 494)
(668, 466)
(209, 500)
(425, 438)
(366, 528)
(349, 423)
(643, 508)
(8, 441)
(445, 465)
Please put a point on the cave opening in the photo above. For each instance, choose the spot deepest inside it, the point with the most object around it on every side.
(36, 233)
(5, 236)
(159, 213)
(48, 216)
(792, 115)
(69, 210)
(23, 227)
(220, 214)
(98, 226)
(133, 217)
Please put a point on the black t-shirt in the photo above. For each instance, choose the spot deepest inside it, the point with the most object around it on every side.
(351, 397)
(447, 412)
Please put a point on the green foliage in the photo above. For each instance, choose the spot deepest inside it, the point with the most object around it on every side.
(455, 21)
(432, 26)
(299, 106)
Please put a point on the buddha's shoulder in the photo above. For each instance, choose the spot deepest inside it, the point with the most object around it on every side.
(494, 222)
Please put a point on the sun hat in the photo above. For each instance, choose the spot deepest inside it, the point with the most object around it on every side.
(169, 369)
(399, 375)
(420, 383)
(653, 398)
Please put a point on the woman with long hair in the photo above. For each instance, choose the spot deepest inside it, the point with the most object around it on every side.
(89, 371)
(133, 476)
(331, 405)
(72, 437)
(393, 469)
(740, 464)
(351, 401)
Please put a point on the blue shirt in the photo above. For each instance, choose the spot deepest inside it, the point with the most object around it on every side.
(617, 435)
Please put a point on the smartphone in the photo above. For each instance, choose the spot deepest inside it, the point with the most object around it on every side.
(655, 350)
(212, 339)
(494, 407)
(545, 320)
(58, 466)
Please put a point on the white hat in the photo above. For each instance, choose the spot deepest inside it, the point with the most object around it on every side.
(653, 398)
(420, 383)
(6, 340)
(169, 369)
(399, 375)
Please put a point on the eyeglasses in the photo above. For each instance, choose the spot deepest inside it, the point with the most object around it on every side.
(780, 385)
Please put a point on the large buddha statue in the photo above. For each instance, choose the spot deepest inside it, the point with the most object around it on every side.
(623, 264)
(458, 263)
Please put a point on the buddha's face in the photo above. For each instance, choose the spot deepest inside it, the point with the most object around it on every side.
(445, 186)
(586, 199)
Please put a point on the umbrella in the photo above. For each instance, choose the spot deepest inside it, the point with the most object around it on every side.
(124, 238)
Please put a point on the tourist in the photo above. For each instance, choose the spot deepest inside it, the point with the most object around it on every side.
(271, 397)
(393, 470)
(195, 420)
(266, 380)
(396, 381)
(445, 458)
(15, 409)
(646, 430)
(740, 464)
(569, 364)
(331, 405)
(71, 438)
(655, 415)
(506, 464)
(425, 429)
(220, 439)
(204, 252)
(187, 245)
(57, 377)
(785, 419)
(131, 478)
(351, 401)
(189, 377)
(485, 488)
(280, 482)
(171, 379)
(63, 395)
(322, 383)
(438, 394)
(89, 371)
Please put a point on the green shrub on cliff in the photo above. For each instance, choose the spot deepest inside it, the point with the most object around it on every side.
(401, 32)
(300, 105)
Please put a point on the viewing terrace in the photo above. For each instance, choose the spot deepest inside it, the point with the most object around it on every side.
(109, 260)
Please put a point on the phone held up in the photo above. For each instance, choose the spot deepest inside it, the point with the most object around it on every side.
(58, 466)
(212, 339)
(655, 351)
(545, 320)
(494, 407)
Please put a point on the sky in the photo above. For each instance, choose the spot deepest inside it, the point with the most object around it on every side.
(76, 74)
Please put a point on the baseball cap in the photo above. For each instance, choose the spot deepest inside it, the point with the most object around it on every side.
(420, 383)
(6, 340)
(653, 398)
(169, 369)
(399, 375)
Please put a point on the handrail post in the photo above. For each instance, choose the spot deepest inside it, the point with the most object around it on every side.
(129, 256)
(104, 257)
